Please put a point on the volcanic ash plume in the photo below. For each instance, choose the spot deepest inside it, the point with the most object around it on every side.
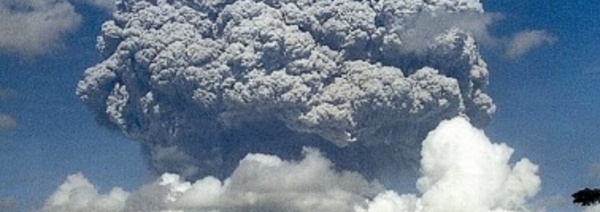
(461, 171)
(202, 83)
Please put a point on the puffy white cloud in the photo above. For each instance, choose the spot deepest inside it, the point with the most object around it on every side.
(78, 194)
(479, 172)
(390, 201)
(461, 171)
(189, 79)
(593, 208)
(31, 27)
(525, 41)
(259, 183)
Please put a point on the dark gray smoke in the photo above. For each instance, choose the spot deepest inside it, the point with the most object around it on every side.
(201, 83)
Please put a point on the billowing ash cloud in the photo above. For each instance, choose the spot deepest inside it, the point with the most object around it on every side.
(461, 171)
(202, 83)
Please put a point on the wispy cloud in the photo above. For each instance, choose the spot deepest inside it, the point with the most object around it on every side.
(32, 27)
(9, 205)
(429, 25)
(7, 122)
(107, 5)
(551, 202)
(5, 94)
(525, 41)
(593, 70)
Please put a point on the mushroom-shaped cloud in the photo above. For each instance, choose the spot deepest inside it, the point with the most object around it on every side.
(202, 83)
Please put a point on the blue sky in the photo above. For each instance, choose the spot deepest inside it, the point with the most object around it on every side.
(547, 99)
(547, 107)
(56, 135)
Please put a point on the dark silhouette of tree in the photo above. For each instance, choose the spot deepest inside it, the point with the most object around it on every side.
(586, 197)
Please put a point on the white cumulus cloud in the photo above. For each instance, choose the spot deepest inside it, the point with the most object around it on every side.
(593, 208)
(260, 183)
(78, 194)
(461, 171)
